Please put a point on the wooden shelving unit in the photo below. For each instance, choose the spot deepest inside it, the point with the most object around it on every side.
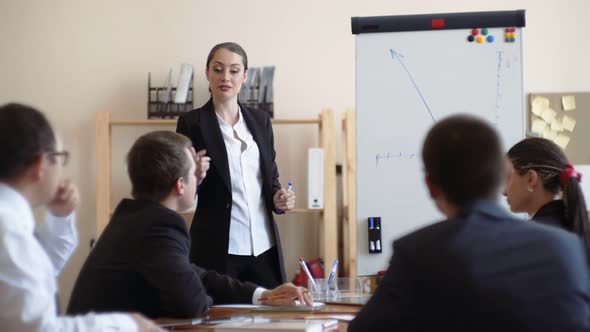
(326, 131)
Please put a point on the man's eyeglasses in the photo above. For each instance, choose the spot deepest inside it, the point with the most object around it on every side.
(64, 154)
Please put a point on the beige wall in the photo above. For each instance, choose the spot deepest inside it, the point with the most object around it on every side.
(75, 58)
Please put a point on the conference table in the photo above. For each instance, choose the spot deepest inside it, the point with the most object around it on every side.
(330, 311)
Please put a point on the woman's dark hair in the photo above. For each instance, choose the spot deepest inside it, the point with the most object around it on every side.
(232, 47)
(25, 134)
(549, 161)
(463, 156)
(154, 163)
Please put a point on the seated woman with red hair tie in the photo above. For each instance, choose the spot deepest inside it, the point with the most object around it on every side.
(542, 182)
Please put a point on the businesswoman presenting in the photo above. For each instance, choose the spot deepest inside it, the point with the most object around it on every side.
(233, 230)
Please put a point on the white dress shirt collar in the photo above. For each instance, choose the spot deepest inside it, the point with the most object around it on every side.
(238, 124)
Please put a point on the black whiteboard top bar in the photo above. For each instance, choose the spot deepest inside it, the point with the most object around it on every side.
(444, 21)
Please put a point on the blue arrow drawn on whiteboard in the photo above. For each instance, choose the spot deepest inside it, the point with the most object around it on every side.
(399, 57)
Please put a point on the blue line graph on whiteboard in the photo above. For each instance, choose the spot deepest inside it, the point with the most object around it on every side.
(400, 58)
(390, 156)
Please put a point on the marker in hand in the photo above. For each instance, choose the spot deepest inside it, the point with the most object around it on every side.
(289, 189)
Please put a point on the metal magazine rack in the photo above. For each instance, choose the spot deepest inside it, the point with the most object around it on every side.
(257, 92)
(160, 101)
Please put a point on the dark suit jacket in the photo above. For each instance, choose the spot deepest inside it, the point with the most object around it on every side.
(141, 263)
(482, 271)
(210, 227)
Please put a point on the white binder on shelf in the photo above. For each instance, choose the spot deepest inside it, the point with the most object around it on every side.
(315, 178)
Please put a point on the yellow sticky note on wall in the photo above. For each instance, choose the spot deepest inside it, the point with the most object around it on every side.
(556, 125)
(549, 134)
(539, 104)
(548, 115)
(568, 102)
(568, 123)
(538, 126)
(562, 140)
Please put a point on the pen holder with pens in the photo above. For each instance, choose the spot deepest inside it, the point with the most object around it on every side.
(338, 288)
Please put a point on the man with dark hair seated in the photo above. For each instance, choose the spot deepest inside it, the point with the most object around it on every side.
(481, 269)
(141, 260)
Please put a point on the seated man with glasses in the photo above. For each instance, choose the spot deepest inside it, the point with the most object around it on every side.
(30, 259)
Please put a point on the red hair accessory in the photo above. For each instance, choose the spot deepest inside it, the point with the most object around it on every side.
(567, 173)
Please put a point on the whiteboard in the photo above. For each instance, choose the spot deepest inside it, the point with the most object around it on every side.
(405, 82)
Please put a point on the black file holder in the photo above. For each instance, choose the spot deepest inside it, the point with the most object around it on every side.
(157, 108)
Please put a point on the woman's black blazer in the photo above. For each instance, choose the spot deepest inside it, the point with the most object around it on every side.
(210, 227)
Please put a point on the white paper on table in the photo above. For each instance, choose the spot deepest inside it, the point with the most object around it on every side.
(340, 317)
(568, 123)
(237, 306)
(568, 103)
(297, 307)
(539, 104)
